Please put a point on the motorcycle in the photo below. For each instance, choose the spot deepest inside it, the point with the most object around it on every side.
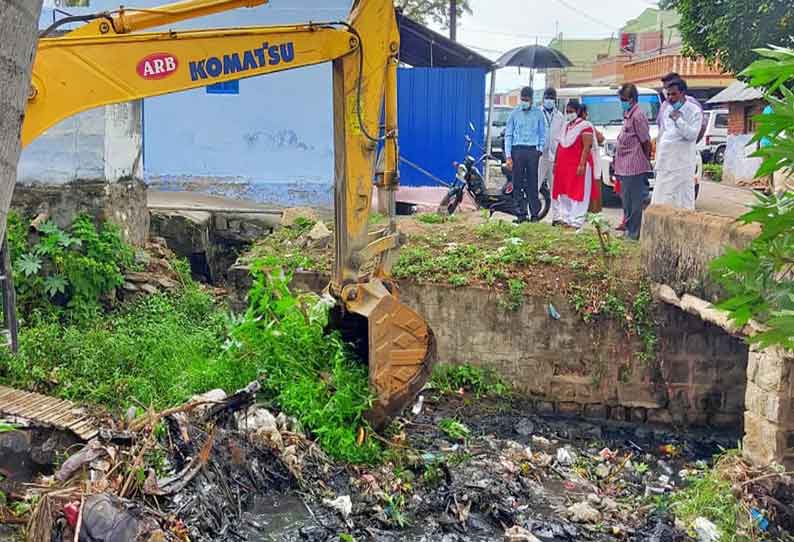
(469, 178)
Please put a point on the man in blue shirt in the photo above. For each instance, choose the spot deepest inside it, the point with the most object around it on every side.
(525, 136)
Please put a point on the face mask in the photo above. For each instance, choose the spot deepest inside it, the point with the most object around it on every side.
(548, 104)
(570, 117)
(626, 106)
(526, 106)
(678, 105)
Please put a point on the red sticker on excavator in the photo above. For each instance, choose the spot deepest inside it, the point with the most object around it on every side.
(157, 66)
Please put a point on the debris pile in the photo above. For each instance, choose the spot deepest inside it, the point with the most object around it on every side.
(225, 468)
(158, 273)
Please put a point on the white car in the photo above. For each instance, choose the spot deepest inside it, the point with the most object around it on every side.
(712, 146)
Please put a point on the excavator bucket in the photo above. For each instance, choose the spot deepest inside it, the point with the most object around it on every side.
(397, 343)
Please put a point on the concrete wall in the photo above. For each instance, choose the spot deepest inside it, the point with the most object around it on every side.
(574, 368)
(679, 245)
(739, 166)
(101, 144)
(272, 142)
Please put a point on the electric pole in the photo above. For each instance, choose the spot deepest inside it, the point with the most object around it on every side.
(453, 20)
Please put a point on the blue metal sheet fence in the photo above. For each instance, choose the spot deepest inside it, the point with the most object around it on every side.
(435, 106)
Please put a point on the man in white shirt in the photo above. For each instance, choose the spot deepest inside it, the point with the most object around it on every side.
(555, 122)
(676, 150)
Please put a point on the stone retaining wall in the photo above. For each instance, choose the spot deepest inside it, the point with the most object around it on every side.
(678, 246)
(570, 367)
(122, 202)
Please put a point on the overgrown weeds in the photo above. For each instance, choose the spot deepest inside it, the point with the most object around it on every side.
(470, 378)
(67, 272)
(310, 375)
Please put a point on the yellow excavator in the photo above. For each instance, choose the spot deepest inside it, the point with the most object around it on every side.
(108, 60)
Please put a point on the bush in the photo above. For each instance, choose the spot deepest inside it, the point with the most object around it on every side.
(74, 269)
(713, 172)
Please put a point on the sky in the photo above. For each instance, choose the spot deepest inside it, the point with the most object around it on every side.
(493, 30)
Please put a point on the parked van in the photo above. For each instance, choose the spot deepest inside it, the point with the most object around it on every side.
(712, 146)
(498, 123)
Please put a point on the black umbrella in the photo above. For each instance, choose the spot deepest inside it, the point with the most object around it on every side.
(535, 57)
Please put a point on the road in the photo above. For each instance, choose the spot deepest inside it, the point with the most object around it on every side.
(714, 198)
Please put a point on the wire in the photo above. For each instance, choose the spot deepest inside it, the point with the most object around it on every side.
(586, 15)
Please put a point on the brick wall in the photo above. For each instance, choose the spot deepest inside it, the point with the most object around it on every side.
(741, 114)
(569, 367)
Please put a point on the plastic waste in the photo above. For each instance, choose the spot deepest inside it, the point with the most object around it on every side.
(706, 530)
(553, 312)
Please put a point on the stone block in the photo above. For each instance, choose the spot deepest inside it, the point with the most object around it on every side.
(660, 416)
(569, 409)
(545, 407)
(768, 369)
(618, 413)
(726, 420)
(677, 247)
(764, 441)
(596, 411)
(639, 415)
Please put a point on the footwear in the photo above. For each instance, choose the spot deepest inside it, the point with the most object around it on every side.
(622, 227)
(556, 222)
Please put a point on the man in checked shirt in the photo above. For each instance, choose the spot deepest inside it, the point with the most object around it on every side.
(632, 159)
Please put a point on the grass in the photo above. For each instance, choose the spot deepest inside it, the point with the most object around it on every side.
(155, 352)
(477, 380)
(710, 495)
(162, 349)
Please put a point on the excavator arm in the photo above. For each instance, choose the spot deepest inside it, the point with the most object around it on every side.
(108, 60)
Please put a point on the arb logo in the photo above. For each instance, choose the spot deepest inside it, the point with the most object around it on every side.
(157, 66)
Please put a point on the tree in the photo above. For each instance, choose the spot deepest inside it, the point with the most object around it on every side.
(18, 37)
(436, 11)
(726, 31)
(759, 280)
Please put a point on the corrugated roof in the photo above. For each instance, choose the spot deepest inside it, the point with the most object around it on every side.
(422, 47)
(737, 92)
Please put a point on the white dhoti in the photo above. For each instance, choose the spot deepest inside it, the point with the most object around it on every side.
(572, 212)
(675, 187)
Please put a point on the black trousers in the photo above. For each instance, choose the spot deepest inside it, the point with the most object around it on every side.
(525, 180)
(633, 192)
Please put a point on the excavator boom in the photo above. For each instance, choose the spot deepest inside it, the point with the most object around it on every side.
(109, 61)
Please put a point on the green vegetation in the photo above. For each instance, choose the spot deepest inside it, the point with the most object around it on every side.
(312, 376)
(435, 218)
(71, 271)
(160, 350)
(286, 245)
(514, 297)
(454, 429)
(157, 351)
(709, 494)
(477, 380)
(726, 31)
(759, 280)
(713, 172)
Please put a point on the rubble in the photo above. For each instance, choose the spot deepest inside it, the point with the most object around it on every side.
(319, 235)
(582, 512)
(291, 215)
(519, 534)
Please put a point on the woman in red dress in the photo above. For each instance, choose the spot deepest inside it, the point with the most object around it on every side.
(573, 168)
